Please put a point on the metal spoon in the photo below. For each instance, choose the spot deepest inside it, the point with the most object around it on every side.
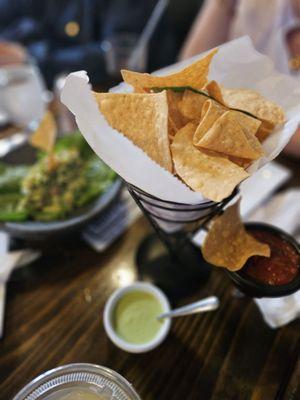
(208, 304)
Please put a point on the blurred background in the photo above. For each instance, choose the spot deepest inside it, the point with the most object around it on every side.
(41, 42)
(66, 36)
(54, 187)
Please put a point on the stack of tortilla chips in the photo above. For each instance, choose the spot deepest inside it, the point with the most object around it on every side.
(203, 133)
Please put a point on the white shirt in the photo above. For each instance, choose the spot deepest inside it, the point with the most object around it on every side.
(266, 22)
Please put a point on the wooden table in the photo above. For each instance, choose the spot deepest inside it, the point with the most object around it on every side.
(54, 317)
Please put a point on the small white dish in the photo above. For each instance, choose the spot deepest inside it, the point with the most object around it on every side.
(108, 314)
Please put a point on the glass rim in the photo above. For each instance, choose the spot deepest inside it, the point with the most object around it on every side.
(23, 70)
(54, 379)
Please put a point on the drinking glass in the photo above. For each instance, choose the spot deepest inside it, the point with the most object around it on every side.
(22, 94)
(118, 49)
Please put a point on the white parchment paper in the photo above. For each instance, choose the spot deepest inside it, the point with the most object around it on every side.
(236, 65)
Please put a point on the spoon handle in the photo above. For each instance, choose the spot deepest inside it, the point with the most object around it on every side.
(208, 304)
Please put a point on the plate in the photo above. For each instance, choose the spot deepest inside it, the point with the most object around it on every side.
(39, 230)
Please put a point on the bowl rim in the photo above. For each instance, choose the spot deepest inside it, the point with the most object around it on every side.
(259, 289)
(110, 305)
(82, 216)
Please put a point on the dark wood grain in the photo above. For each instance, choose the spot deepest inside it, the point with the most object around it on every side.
(54, 317)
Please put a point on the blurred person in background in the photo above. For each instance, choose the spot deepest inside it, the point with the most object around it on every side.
(273, 26)
(66, 35)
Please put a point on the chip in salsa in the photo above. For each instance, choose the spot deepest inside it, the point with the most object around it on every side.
(227, 243)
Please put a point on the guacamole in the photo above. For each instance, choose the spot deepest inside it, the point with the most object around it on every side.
(53, 189)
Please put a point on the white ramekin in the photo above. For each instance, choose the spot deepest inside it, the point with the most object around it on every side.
(108, 312)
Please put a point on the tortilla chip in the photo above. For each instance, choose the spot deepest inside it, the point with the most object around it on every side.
(214, 90)
(227, 243)
(264, 131)
(178, 120)
(172, 130)
(250, 128)
(44, 137)
(194, 75)
(211, 111)
(141, 90)
(254, 103)
(248, 123)
(227, 136)
(242, 162)
(215, 177)
(143, 118)
(191, 105)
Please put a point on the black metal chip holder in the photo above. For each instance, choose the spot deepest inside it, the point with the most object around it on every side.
(168, 257)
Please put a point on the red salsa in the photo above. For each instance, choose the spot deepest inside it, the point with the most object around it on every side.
(283, 265)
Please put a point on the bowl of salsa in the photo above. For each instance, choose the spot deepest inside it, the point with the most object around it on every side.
(274, 276)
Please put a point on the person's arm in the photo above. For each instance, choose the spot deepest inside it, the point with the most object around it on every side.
(293, 44)
(210, 28)
(11, 53)
(293, 147)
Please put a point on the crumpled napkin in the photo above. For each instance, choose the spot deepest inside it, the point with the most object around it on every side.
(283, 211)
(9, 261)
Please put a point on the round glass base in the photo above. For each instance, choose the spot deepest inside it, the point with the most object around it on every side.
(177, 276)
